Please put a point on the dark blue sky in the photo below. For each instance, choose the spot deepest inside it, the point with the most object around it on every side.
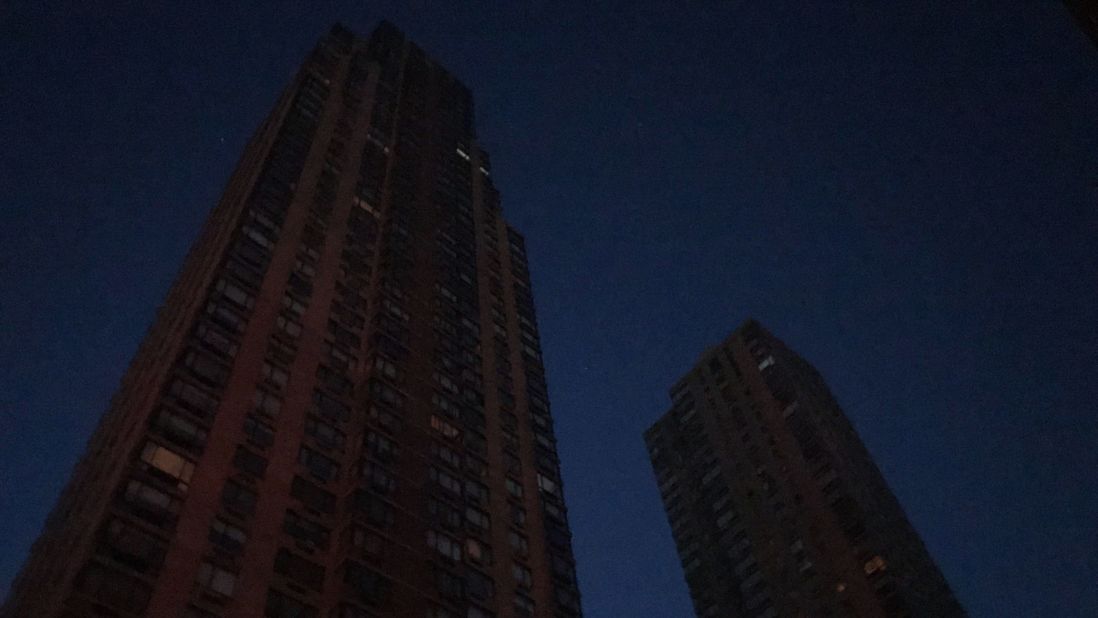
(905, 192)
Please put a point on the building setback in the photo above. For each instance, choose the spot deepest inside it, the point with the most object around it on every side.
(340, 410)
(775, 505)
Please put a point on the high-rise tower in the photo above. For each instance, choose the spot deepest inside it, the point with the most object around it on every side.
(340, 410)
(775, 505)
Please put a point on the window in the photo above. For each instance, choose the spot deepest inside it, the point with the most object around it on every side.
(299, 569)
(522, 575)
(329, 407)
(476, 492)
(377, 476)
(477, 552)
(258, 433)
(477, 518)
(547, 485)
(167, 464)
(449, 585)
(267, 403)
(378, 512)
(514, 488)
(519, 544)
(512, 463)
(479, 585)
(443, 427)
(280, 605)
(205, 368)
(446, 481)
(444, 545)
(293, 306)
(524, 605)
(386, 367)
(312, 496)
(281, 351)
(325, 435)
(367, 541)
(289, 326)
(518, 515)
(275, 376)
(216, 341)
(114, 587)
(216, 580)
(474, 443)
(238, 498)
(305, 530)
(379, 446)
(133, 547)
(249, 462)
(227, 536)
(321, 467)
(443, 514)
(387, 420)
(446, 454)
(192, 611)
(876, 564)
(180, 430)
(712, 474)
(368, 584)
(235, 293)
(193, 398)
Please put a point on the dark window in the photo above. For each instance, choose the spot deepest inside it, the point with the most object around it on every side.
(150, 503)
(127, 544)
(249, 462)
(238, 498)
(180, 430)
(113, 587)
(301, 570)
(320, 466)
(378, 512)
(193, 398)
(280, 605)
(369, 585)
(327, 436)
(305, 530)
(259, 433)
(312, 496)
(227, 536)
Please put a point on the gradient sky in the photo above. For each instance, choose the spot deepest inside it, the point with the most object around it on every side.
(905, 192)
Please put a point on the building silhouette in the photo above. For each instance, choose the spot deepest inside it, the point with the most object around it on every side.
(340, 409)
(1086, 13)
(775, 505)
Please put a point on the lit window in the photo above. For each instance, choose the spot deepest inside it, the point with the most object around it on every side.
(168, 462)
(477, 552)
(874, 565)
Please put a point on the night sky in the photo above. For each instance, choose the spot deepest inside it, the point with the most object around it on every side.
(905, 192)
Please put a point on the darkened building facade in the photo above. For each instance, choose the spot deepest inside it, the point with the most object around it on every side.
(774, 503)
(1086, 12)
(340, 409)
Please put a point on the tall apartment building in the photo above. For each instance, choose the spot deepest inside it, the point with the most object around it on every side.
(1086, 12)
(775, 505)
(340, 410)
